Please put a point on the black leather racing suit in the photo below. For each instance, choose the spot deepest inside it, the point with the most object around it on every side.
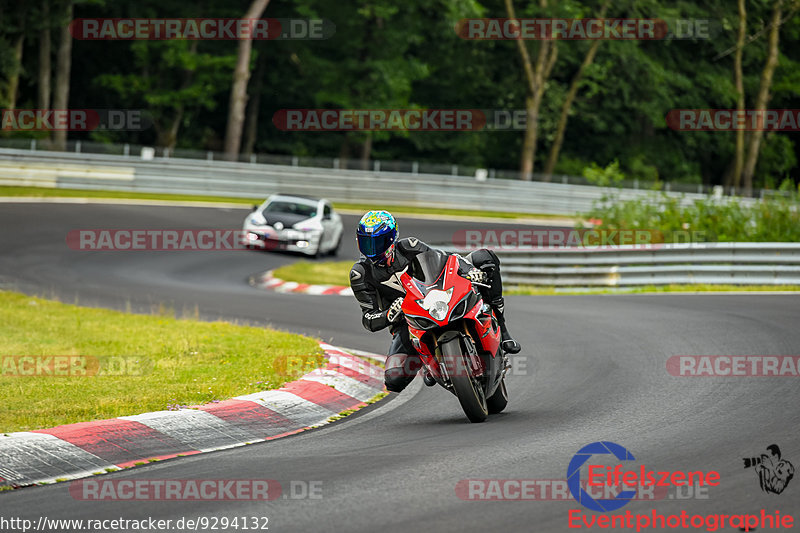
(376, 287)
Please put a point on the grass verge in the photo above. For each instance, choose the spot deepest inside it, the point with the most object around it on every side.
(133, 363)
(646, 289)
(316, 272)
(46, 192)
(337, 272)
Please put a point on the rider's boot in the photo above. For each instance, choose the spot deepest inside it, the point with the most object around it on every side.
(507, 341)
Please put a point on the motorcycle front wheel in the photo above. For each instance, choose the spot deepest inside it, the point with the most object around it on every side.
(467, 388)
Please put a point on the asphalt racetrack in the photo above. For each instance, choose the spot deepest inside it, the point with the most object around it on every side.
(592, 368)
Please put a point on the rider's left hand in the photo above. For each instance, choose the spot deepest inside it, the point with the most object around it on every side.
(395, 312)
(477, 276)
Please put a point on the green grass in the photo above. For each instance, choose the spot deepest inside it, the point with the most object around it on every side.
(337, 272)
(544, 291)
(316, 272)
(168, 362)
(411, 210)
(45, 192)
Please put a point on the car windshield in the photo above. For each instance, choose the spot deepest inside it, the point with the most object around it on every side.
(295, 208)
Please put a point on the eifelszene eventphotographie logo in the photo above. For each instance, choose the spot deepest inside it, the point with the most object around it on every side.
(774, 473)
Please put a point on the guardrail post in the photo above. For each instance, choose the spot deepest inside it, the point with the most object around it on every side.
(295, 160)
(166, 153)
(335, 162)
(492, 173)
(33, 145)
(126, 150)
(564, 179)
(635, 183)
(454, 170)
(253, 159)
(415, 167)
(666, 187)
(210, 155)
(700, 189)
(376, 166)
(77, 147)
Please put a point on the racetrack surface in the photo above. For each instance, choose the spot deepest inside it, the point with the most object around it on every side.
(595, 371)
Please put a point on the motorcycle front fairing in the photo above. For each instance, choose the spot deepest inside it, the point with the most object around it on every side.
(439, 305)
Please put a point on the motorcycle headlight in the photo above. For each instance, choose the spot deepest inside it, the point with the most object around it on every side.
(439, 311)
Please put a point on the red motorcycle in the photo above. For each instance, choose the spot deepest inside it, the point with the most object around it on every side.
(456, 334)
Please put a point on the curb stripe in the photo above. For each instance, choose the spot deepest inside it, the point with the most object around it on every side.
(302, 412)
(117, 440)
(340, 382)
(199, 430)
(249, 416)
(27, 456)
(267, 281)
(80, 450)
(327, 397)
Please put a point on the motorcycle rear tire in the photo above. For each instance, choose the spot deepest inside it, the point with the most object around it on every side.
(498, 401)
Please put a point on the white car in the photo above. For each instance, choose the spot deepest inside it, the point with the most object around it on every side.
(295, 223)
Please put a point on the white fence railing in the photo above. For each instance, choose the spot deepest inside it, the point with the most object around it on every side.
(254, 180)
(728, 263)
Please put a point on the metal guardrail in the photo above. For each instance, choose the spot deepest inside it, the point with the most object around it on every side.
(255, 180)
(728, 263)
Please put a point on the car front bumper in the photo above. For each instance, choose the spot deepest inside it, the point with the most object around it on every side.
(289, 240)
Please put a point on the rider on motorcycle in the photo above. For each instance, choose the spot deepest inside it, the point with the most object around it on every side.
(375, 280)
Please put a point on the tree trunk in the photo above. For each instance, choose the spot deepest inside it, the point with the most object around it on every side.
(763, 98)
(738, 163)
(168, 137)
(253, 105)
(552, 158)
(536, 73)
(366, 151)
(44, 58)
(238, 99)
(13, 79)
(529, 144)
(63, 67)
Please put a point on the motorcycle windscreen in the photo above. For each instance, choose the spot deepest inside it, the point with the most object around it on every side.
(429, 266)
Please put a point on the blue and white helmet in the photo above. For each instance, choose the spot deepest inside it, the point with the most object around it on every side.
(376, 235)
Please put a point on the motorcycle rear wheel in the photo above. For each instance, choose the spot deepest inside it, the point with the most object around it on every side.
(467, 388)
(498, 401)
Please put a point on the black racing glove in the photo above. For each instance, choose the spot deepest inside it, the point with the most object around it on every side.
(395, 312)
(477, 276)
